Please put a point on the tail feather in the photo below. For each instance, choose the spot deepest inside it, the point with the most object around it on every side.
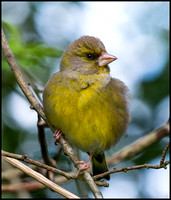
(99, 165)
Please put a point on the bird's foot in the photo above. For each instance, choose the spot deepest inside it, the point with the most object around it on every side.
(84, 165)
(57, 135)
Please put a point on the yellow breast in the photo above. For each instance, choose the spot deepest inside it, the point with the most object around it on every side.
(90, 111)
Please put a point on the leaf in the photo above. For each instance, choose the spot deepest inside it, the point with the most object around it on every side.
(29, 54)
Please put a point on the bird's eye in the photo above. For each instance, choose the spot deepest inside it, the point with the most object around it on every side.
(90, 56)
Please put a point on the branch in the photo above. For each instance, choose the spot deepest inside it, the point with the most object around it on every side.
(43, 145)
(19, 77)
(32, 186)
(59, 179)
(39, 177)
(35, 104)
(164, 154)
(12, 173)
(148, 166)
(138, 146)
(36, 163)
(17, 187)
(125, 169)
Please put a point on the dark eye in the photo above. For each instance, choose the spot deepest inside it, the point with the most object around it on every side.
(90, 56)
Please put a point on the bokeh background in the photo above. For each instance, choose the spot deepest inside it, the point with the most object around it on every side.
(137, 33)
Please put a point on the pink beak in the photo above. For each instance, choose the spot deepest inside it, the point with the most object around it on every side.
(105, 59)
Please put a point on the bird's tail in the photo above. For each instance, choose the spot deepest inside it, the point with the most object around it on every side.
(99, 165)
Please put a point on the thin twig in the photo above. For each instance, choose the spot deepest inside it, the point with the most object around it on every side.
(164, 154)
(43, 145)
(148, 166)
(125, 169)
(16, 187)
(44, 149)
(32, 186)
(68, 176)
(39, 177)
(36, 163)
(100, 183)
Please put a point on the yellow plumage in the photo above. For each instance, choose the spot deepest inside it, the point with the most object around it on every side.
(85, 102)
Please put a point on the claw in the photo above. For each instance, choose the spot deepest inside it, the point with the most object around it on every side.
(84, 165)
(57, 135)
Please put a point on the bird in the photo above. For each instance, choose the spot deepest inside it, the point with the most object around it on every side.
(85, 103)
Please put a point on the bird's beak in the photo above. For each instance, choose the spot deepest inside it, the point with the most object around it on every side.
(105, 59)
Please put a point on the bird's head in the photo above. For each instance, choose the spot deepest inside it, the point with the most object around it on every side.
(87, 55)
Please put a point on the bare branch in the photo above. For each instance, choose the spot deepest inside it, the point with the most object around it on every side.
(32, 186)
(164, 154)
(39, 177)
(16, 187)
(43, 145)
(148, 166)
(36, 163)
(125, 169)
(100, 183)
(19, 77)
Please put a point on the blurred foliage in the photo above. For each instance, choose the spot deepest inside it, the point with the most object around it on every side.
(10, 138)
(29, 56)
(38, 61)
(33, 60)
(159, 86)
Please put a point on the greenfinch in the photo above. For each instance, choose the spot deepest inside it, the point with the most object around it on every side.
(85, 103)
